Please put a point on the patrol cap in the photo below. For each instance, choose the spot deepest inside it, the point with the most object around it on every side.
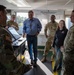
(2, 8)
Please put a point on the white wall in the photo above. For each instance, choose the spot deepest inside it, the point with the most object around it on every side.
(41, 40)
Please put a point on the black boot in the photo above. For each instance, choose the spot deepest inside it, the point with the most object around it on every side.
(55, 68)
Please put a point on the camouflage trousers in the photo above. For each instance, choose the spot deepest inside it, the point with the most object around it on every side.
(9, 64)
(47, 46)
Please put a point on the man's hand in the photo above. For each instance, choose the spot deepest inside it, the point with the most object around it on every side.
(37, 33)
(24, 35)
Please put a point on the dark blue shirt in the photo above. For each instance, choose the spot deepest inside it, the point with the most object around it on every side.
(59, 38)
(31, 27)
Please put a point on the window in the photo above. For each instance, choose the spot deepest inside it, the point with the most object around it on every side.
(68, 22)
(20, 19)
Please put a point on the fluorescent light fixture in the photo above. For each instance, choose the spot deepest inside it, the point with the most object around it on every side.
(19, 3)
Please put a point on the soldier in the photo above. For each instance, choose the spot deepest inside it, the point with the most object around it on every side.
(8, 62)
(12, 22)
(51, 27)
(68, 53)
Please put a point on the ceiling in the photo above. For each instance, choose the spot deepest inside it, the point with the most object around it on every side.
(42, 5)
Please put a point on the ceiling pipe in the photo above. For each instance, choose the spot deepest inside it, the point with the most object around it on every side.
(67, 2)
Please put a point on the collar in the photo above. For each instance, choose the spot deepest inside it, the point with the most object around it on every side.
(53, 22)
(31, 19)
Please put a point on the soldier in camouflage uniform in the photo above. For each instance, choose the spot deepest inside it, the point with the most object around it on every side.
(8, 62)
(68, 54)
(12, 23)
(51, 27)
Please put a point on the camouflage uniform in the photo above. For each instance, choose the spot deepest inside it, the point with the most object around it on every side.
(8, 62)
(10, 23)
(68, 54)
(51, 27)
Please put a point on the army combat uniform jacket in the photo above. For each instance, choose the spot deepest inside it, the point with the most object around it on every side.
(14, 24)
(68, 53)
(8, 62)
(51, 29)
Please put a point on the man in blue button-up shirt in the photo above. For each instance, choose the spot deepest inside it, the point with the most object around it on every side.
(31, 29)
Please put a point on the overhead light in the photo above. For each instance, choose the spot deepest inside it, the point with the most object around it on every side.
(19, 3)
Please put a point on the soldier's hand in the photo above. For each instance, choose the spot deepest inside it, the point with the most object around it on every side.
(8, 39)
(46, 36)
(61, 48)
(53, 49)
(13, 26)
(37, 33)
